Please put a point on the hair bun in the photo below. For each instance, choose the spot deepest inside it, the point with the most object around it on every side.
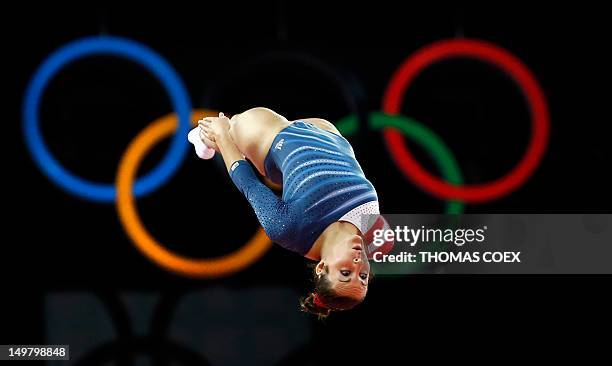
(309, 305)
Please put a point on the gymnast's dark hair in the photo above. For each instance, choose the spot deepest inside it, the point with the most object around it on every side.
(324, 299)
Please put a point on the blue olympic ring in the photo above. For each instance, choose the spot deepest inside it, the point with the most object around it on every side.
(114, 46)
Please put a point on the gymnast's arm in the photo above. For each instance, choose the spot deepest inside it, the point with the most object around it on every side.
(272, 212)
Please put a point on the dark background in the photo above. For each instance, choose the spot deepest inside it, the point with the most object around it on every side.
(58, 245)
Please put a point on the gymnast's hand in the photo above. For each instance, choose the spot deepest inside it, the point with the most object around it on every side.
(215, 128)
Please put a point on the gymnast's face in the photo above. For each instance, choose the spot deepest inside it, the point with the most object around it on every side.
(348, 268)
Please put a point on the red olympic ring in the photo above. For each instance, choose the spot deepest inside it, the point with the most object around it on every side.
(509, 64)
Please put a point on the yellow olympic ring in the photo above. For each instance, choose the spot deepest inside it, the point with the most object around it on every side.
(227, 264)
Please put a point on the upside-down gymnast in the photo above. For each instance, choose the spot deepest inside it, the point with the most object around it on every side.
(325, 194)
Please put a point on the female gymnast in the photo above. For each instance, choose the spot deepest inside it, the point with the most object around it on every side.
(325, 194)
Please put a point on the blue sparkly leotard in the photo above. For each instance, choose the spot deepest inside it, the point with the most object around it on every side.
(321, 181)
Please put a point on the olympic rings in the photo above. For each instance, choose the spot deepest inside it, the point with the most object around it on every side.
(125, 189)
(115, 46)
(506, 62)
(149, 246)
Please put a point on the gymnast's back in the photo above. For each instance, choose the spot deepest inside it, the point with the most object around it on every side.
(321, 178)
